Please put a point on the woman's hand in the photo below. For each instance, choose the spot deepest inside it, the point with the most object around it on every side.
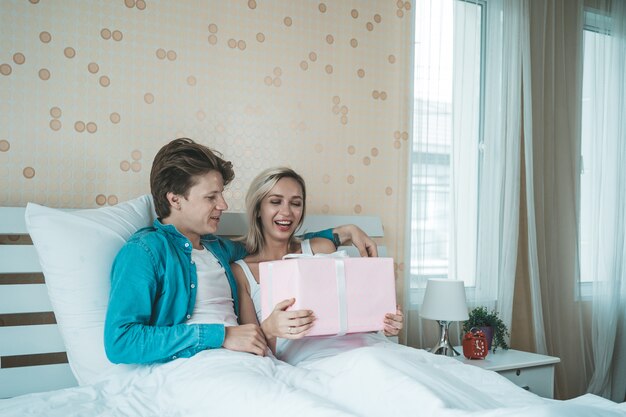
(287, 324)
(393, 322)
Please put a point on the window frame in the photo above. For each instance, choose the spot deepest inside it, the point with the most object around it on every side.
(416, 282)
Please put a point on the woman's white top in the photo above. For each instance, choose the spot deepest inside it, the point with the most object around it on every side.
(255, 288)
(313, 347)
(214, 299)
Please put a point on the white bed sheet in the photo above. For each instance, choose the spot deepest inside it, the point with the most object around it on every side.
(389, 379)
(382, 380)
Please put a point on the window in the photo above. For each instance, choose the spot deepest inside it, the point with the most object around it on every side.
(448, 91)
(594, 36)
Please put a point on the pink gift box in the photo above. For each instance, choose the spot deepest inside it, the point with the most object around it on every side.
(347, 295)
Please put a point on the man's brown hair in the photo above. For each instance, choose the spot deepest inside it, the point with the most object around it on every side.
(176, 167)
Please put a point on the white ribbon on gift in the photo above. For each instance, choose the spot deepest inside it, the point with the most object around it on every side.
(339, 254)
(340, 274)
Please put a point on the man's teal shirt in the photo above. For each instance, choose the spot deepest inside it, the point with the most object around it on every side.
(153, 293)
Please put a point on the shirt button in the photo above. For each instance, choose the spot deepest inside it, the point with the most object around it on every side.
(192, 262)
(188, 316)
(193, 285)
(186, 245)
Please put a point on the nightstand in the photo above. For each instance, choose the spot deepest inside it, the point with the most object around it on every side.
(530, 371)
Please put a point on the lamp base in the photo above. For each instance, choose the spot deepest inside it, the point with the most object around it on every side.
(443, 347)
(446, 350)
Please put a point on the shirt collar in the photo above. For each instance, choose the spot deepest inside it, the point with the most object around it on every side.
(179, 238)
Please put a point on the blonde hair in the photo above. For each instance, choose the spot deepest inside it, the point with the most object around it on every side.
(259, 189)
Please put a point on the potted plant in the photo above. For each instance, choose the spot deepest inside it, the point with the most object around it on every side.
(492, 326)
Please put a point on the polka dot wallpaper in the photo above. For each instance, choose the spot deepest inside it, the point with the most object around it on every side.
(90, 90)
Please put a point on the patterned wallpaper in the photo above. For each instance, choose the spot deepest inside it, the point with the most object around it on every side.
(91, 89)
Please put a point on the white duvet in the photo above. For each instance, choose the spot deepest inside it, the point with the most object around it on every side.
(382, 380)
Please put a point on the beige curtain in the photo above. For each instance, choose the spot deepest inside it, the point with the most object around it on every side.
(553, 116)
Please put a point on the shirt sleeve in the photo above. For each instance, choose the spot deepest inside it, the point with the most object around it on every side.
(235, 250)
(326, 234)
(128, 335)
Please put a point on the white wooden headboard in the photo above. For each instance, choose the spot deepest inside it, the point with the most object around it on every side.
(32, 353)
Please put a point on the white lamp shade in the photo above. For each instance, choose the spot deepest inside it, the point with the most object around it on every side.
(444, 299)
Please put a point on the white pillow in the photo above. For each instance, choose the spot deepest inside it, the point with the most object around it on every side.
(76, 250)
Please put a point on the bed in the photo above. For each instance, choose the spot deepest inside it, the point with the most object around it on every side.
(52, 361)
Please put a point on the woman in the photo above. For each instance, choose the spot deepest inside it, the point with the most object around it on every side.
(354, 378)
(276, 205)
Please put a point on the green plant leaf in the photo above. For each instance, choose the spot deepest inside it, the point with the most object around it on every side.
(482, 317)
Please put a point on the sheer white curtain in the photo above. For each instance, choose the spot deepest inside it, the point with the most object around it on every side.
(466, 152)
(498, 224)
(605, 91)
(527, 56)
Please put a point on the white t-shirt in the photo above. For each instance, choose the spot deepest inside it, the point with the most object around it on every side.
(312, 347)
(214, 299)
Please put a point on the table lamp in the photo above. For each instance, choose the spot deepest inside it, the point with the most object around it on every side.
(444, 301)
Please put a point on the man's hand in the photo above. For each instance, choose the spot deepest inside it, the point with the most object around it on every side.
(350, 233)
(245, 338)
